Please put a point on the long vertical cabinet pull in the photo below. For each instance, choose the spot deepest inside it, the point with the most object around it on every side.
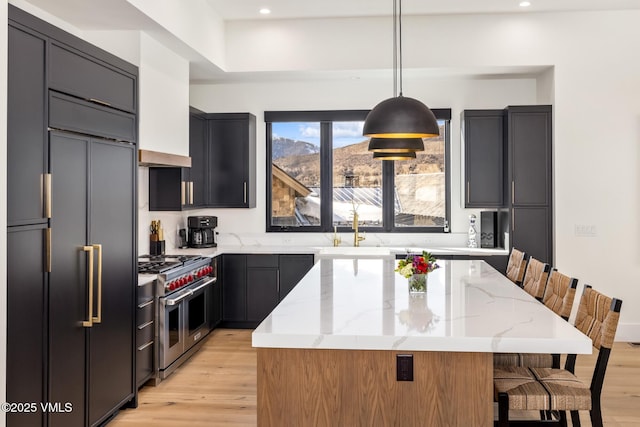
(183, 192)
(98, 318)
(89, 323)
(47, 195)
(245, 191)
(191, 192)
(468, 192)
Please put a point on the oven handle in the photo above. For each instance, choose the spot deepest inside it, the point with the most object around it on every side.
(188, 293)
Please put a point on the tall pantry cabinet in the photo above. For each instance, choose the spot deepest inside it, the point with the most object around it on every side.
(71, 227)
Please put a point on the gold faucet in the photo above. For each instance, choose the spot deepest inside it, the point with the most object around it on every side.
(336, 239)
(356, 238)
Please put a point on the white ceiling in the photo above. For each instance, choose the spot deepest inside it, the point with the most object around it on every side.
(288, 9)
(121, 15)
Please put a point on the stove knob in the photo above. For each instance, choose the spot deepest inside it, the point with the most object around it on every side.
(209, 269)
(189, 278)
(201, 272)
(183, 281)
(172, 286)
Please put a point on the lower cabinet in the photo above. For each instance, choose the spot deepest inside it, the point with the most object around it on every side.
(215, 307)
(252, 285)
(145, 332)
(26, 322)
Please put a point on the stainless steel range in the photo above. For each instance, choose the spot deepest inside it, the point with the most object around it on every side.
(183, 290)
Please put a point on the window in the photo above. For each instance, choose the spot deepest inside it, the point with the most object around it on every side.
(319, 172)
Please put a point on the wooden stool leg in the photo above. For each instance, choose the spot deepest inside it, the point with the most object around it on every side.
(503, 410)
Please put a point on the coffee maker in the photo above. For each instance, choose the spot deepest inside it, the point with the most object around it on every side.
(201, 232)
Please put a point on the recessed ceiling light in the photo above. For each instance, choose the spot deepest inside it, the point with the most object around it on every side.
(525, 4)
(265, 11)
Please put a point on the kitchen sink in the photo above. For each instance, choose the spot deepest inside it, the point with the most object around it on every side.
(355, 252)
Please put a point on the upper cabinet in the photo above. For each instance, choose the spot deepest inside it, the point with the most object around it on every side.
(482, 134)
(90, 78)
(222, 148)
(529, 145)
(27, 149)
(232, 160)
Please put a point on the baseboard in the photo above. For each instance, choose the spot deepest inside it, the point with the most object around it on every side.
(628, 332)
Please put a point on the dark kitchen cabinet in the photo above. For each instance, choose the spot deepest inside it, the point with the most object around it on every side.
(483, 138)
(170, 189)
(27, 296)
(89, 77)
(198, 151)
(292, 268)
(67, 192)
(234, 288)
(232, 160)
(27, 148)
(216, 296)
(529, 144)
(262, 286)
(254, 284)
(145, 332)
(92, 278)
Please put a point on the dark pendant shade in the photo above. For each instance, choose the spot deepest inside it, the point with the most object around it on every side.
(401, 117)
(408, 155)
(396, 145)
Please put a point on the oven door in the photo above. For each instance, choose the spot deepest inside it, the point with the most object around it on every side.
(171, 329)
(197, 313)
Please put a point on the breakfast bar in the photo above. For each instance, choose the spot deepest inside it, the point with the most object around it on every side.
(349, 344)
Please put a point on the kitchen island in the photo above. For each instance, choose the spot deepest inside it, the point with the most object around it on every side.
(332, 351)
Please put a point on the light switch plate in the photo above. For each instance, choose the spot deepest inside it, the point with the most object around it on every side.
(585, 230)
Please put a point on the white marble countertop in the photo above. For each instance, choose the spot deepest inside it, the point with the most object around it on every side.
(362, 304)
(346, 251)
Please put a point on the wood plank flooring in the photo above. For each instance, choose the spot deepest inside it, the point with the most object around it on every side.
(217, 387)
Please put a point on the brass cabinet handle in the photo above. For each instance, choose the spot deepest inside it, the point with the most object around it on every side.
(191, 192)
(47, 195)
(513, 192)
(244, 184)
(98, 318)
(89, 323)
(183, 193)
(142, 347)
(98, 101)
(149, 323)
(48, 250)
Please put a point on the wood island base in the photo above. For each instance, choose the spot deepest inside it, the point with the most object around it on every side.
(308, 387)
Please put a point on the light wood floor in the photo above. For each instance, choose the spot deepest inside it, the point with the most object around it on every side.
(217, 387)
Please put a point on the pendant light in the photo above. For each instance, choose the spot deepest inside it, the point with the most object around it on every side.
(395, 145)
(408, 155)
(400, 116)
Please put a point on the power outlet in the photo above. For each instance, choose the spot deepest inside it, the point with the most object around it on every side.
(404, 367)
(585, 230)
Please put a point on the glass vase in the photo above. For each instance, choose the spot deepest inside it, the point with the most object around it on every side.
(418, 284)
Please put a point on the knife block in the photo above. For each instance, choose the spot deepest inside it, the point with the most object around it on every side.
(156, 247)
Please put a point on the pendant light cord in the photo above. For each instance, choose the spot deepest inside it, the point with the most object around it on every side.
(400, 43)
(395, 48)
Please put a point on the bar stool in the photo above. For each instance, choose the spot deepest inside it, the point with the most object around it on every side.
(556, 391)
(516, 266)
(535, 278)
(559, 296)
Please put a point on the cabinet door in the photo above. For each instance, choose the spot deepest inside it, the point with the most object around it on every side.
(68, 280)
(234, 287)
(232, 160)
(292, 269)
(530, 155)
(26, 321)
(169, 189)
(198, 152)
(262, 292)
(216, 304)
(531, 231)
(91, 78)
(112, 220)
(27, 148)
(484, 164)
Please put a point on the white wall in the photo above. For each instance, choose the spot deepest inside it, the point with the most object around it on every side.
(3, 209)
(163, 98)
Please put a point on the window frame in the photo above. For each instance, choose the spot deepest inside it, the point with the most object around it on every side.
(326, 120)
